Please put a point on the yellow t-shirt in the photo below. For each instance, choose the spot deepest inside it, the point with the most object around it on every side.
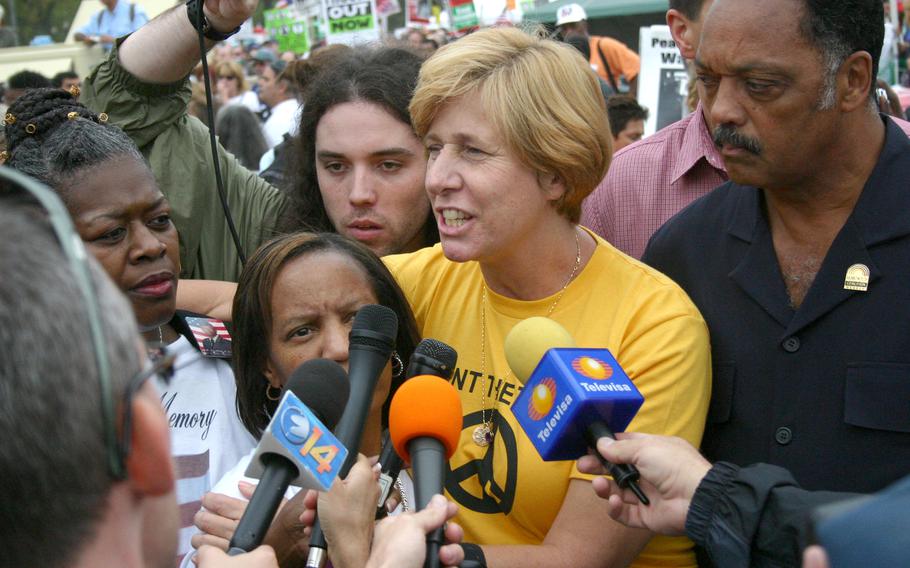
(506, 493)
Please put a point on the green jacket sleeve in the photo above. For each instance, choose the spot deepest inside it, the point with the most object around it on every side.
(178, 150)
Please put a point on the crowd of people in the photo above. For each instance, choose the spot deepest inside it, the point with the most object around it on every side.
(744, 266)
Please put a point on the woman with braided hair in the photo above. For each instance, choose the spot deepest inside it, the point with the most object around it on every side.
(125, 222)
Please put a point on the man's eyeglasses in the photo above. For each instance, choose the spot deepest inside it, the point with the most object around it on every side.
(161, 365)
(77, 257)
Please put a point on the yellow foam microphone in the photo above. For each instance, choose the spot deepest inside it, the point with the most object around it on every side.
(527, 342)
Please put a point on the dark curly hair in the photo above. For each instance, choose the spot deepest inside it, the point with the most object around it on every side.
(28, 80)
(54, 138)
(252, 312)
(385, 77)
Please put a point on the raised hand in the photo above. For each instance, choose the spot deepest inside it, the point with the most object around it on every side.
(226, 15)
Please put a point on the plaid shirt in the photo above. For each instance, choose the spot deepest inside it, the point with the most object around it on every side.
(652, 180)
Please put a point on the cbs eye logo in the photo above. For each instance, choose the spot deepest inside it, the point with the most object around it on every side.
(541, 401)
(295, 426)
(592, 368)
(299, 432)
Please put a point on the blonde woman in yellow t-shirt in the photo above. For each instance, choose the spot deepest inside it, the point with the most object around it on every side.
(516, 135)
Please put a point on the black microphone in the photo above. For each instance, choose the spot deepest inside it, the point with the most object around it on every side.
(279, 465)
(430, 357)
(372, 340)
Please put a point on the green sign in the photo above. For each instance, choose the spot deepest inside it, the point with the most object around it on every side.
(288, 29)
(351, 24)
(464, 16)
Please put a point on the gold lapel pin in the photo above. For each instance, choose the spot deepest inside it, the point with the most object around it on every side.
(857, 278)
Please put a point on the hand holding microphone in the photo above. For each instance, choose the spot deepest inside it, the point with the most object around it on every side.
(572, 397)
(425, 424)
(346, 514)
(671, 470)
(297, 446)
(399, 541)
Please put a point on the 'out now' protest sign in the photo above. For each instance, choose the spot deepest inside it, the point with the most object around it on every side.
(350, 21)
(663, 82)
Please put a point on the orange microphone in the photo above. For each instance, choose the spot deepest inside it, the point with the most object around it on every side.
(425, 425)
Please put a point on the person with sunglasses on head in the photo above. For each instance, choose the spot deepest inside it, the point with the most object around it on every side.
(125, 222)
(232, 87)
(87, 476)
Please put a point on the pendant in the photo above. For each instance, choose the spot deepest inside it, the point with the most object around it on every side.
(482, 436)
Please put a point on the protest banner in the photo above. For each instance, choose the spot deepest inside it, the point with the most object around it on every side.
(662, 81)
(464, 15)
(423, 12)
(351, 22)
(418, 13)
(289, 29)
(386, 8)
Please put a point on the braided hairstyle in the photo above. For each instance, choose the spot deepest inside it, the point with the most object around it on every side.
(54, 138)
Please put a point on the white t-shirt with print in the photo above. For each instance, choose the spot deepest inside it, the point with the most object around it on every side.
(207, 437)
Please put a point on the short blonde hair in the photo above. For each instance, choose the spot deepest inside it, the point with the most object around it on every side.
(541, 96)
(233, 69)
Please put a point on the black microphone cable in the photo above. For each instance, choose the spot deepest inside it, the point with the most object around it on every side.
(219, 182)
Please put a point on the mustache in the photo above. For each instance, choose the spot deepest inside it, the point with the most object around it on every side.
(726, 135)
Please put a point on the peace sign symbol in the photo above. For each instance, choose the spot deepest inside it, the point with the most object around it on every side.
(494, 497)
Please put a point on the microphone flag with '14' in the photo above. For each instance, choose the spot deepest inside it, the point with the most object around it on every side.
(297, 447)
(306, 438)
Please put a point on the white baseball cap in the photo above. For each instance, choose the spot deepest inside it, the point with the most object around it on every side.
(569, 14)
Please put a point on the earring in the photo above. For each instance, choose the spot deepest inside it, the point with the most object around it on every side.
(397, 365)
(269, 389)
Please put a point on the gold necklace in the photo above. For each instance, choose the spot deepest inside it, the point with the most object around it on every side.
(483, 434)
(151, 346)
(401, 493)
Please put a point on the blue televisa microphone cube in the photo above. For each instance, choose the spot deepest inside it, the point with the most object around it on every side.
(569, 389)
(297, 434)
